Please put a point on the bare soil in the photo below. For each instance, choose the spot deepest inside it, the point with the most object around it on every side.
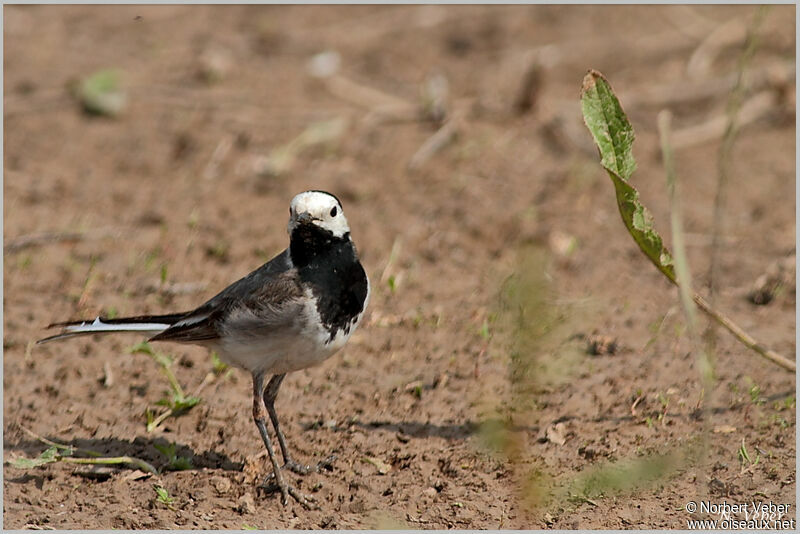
(431, 427)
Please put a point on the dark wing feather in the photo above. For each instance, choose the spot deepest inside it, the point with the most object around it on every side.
(268, 287)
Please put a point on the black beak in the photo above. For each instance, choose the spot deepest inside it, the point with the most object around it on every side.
(304, 218)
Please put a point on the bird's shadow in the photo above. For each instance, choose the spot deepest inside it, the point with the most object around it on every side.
(416, 429)
(469, 428)
(142, 448)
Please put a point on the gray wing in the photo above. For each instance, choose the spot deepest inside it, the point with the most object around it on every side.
(265, 298)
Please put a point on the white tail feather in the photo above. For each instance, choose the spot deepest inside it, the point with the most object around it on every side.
(99, 326)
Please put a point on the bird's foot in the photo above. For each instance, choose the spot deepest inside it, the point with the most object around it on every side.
(301, 469)
(286, 490)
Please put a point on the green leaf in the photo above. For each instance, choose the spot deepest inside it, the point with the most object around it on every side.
(613, 135)
(185, 403)
(175, 462)
(48, 456)
(181, 463)
(101, 93)
(484, 330)
(163, 495)
(179, 403)
(143, 347)
(219, 365)
(167, 449)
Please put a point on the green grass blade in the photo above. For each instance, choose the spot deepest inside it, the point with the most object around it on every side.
(613, 135)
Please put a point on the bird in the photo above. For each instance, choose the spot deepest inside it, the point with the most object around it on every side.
(293, 312)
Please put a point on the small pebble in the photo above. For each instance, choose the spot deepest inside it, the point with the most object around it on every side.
(246, 504)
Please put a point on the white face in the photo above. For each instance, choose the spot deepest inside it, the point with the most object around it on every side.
(324, 210)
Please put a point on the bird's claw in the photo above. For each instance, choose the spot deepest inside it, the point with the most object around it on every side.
(286, 490)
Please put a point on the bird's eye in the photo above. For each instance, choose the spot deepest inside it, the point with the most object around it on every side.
(333, 211)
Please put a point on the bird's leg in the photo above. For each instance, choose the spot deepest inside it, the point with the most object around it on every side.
(261, 422)
(269, 400)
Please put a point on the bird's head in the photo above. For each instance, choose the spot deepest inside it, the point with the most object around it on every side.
(319, 209)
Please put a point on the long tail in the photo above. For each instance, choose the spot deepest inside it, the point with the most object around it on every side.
(145, 324)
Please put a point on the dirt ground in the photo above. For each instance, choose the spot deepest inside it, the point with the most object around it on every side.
(431, 420)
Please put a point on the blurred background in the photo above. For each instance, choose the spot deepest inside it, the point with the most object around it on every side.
(520, 354)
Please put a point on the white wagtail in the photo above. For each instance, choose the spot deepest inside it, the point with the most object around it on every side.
(293, 312)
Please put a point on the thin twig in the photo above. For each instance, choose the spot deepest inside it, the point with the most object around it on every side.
(209, 378)
(395, 252)
(726, 322)
(220, 153)
(743, 336)
(770, 76)
(682, 271)
(381, 24)
(705, 366)
(25, 241)
(728, 34)
(282, 158)
(688, 21)
(49, 443)
(753, 109)
(724, 158)
(363, 95)
(443, 137)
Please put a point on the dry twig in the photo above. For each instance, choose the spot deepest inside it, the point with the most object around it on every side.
(752, 110)
(774, 75)
(734, 107)
(42, 238)
(443, 137)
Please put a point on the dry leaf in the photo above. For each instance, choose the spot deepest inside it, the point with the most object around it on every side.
(137, 475)
(382, 466)
(556, 434)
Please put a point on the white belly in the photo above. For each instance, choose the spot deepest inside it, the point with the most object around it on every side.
(296, 344)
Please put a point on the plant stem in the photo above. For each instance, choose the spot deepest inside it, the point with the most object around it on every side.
(155, 423)
(97, 459)
(724, 157)
(682, 271)
(141, 464)
(176, 387)
(743, 336)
